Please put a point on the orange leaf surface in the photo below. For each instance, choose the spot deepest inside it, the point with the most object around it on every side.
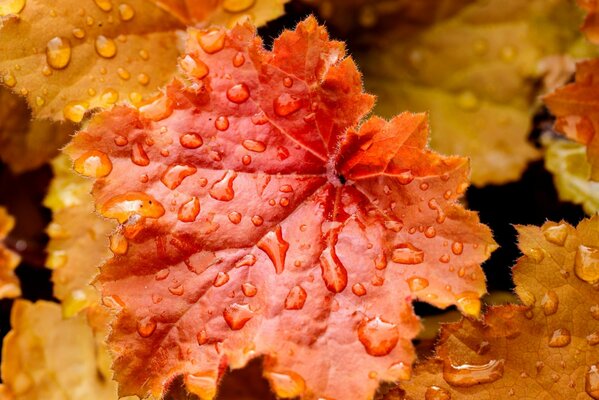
(543, 349)
(9, 283)
(258, 219)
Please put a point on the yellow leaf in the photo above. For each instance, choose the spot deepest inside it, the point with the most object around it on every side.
(78, 238)
(571, 171)
(73, 55)
(9, 283)
(477, 70)
(26, 144)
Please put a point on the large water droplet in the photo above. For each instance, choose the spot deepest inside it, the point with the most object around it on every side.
(586, 263)
(467, 375)
(406, 253)
(249, 290)
(146, 327)
(58, 52)
(254, 145)
(436, 393)
(417, 283)
(74, 111)
(126, 12)
(138, 155)
(296, 298)
(556, 234)
(238, 93)
(358, 289)
(222, 189)
(194, 67)
(275, 248)
(202, 384)
(286, 385)
(122, 207)
(238, 60)
(591, 381)
(220, 279)
(222, 123)
(237, 315)
(105, 5)
(378, 336)
(211, 41)
(174, 174)
(105, 47)
(191, 140)
(188, 212)
(560, 338)
(11, 7)
(334, 273)
(234, 217)
(550, 303)
(93, 163)
(469, 304)
(286, 104)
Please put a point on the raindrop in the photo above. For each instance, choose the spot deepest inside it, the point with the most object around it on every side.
(222, 189)
(220, 279)
(249, 290)
(189, 211)
(105, 5)
(417, 283)
(237, 315)
(586, 263)
(58, 52)
(238, 60)
(146, 327)
(436, 393)
(125, 75)
(257, 220)
(176, 290)
(378, 336)
(93, 163)
(74, 111)
(211, 41)
(560, 338)
(287, 82)
(126, 12)
(122, 207)
(105, 47)
(467, 375)
(469, 304)
(254, 145)
(296, 298)
(275, 248)
(234, 217)
(550, 303)
(222, 123)
(11, 7)
(591, 381)
(556, 234)
(191, 140)
(246, 261)
(288, 385)
(407, 253)
(358, 289)
(138, 155)
(334, 273)
(110, 96)
(194, 67)
(78, 33)
(175, 173)
(457, 248)
(286, 104)
(238, 93)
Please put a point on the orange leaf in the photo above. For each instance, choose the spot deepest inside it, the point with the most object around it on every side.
(543, 349)
(260, 221)
(9, 283)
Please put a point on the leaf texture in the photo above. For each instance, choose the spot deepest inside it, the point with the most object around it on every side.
(542, 349)
(9, 283)
(258, 219)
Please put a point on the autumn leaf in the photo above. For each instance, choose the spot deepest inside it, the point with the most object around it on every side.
(9, 283)
(78, 238)
(47, 357)
(478, 68)
(542, 349)
(567, 162)
(257, 219)
(26, 144)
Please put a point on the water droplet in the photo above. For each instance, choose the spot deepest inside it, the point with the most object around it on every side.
(595, 311)
(118, 243)
(457, 248)
(238, 60)
(174, 175)
(246, 261)
(378, 336)
(417, 283)
(550, 303)
(249, 290)
(334, 273)
(287, 82)
(254, 145)
(78, 33)
(222, 189)
(358, 289)
(234, 217)
(105, 47)
(211, 41)
(394, 226)
(436, 393)
(430, 232)
(202, 337)
(122, 207)
(286, 385)
(58, 52)
(467, 375)
(125, 75)
(535, 254)
(146, 327)
(177, 289)
(194, 67)
(143, 79)
(238, 93)
(257, 220)
(593, 339)
(189, 211)
(9, 80)
(407, 253)
(237, 315)
(11, 7)
(110, 96)
(93, 163)
(467, 101)
(162, 274)
(126, 12)
(220, 279)
(296, 298)
(138, 155)
(222, 123)
(275, 248)
(586, 263)
(556, 234)
(469, 304)
(560, 338)
(105, 5)
(74, 111)
(591, 381)
(191, 140)
(286, 104)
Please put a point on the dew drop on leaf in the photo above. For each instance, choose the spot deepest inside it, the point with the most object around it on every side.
(118, 243)
(275, 248)
(246, 261)
(74, 111)
(222, 123)
(378, 336)
(194, 67)
(467, 375)
(358, 289)
(288, 385)
(238, 60)
(211, 41)
(191, 140)
(234, 217)
(406, 253)
(104, 5)
(123, 206)
(550, 303)
(175, 173)
(295, 298)
(58, 52)
(254, 145)
(126, 12)
(238, 93)
(139, 155)
(105, 47)
(237, 315)
(286, 104)
(93, 163)
(222, 189)
(556, 234)
(560, 338)
(591, 381)
(220, 279)
(334, 273)
(249, 289)
(189, 210)
(436, 393)
(146, 327)
(417, 283)
(586, 263)
(11, 7)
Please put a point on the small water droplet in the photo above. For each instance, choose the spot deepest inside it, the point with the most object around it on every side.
(560, 338)
(58, 52)
(334, 273)
(194, 67)
(105, 5)
(286, 104)
(417, 283)
(211, 41)
(275, 248)
(74, 111)
(430, 232)
(105, 47)
(246, 261)
(126, 75)
(550, 303)
(8, 7)
(174, 174)
(296, 298)
(138, 155)
(78, 33)
(189, 210)
(143, 79)
(9, 80)
(287, 82)
(436, 393)
(234, 217)
(146, 327)
(469, 304)
(222, 123)
(287, 385)
(249, 290)
(237, 315)
(378, 336)
(222, 189)
(177, 289)
(556, 234)
(595, 311)
(591, 381)
(118, 243)
(93, 163)
(407, 253)
(191, 140)
(457, 248)
(467, 375)
(238, 93)
(220, 279)
(358, 289)
(238, 60)
(593, 338)
(586, 264)
(254, 145)
(126, 12)
(257, 220)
